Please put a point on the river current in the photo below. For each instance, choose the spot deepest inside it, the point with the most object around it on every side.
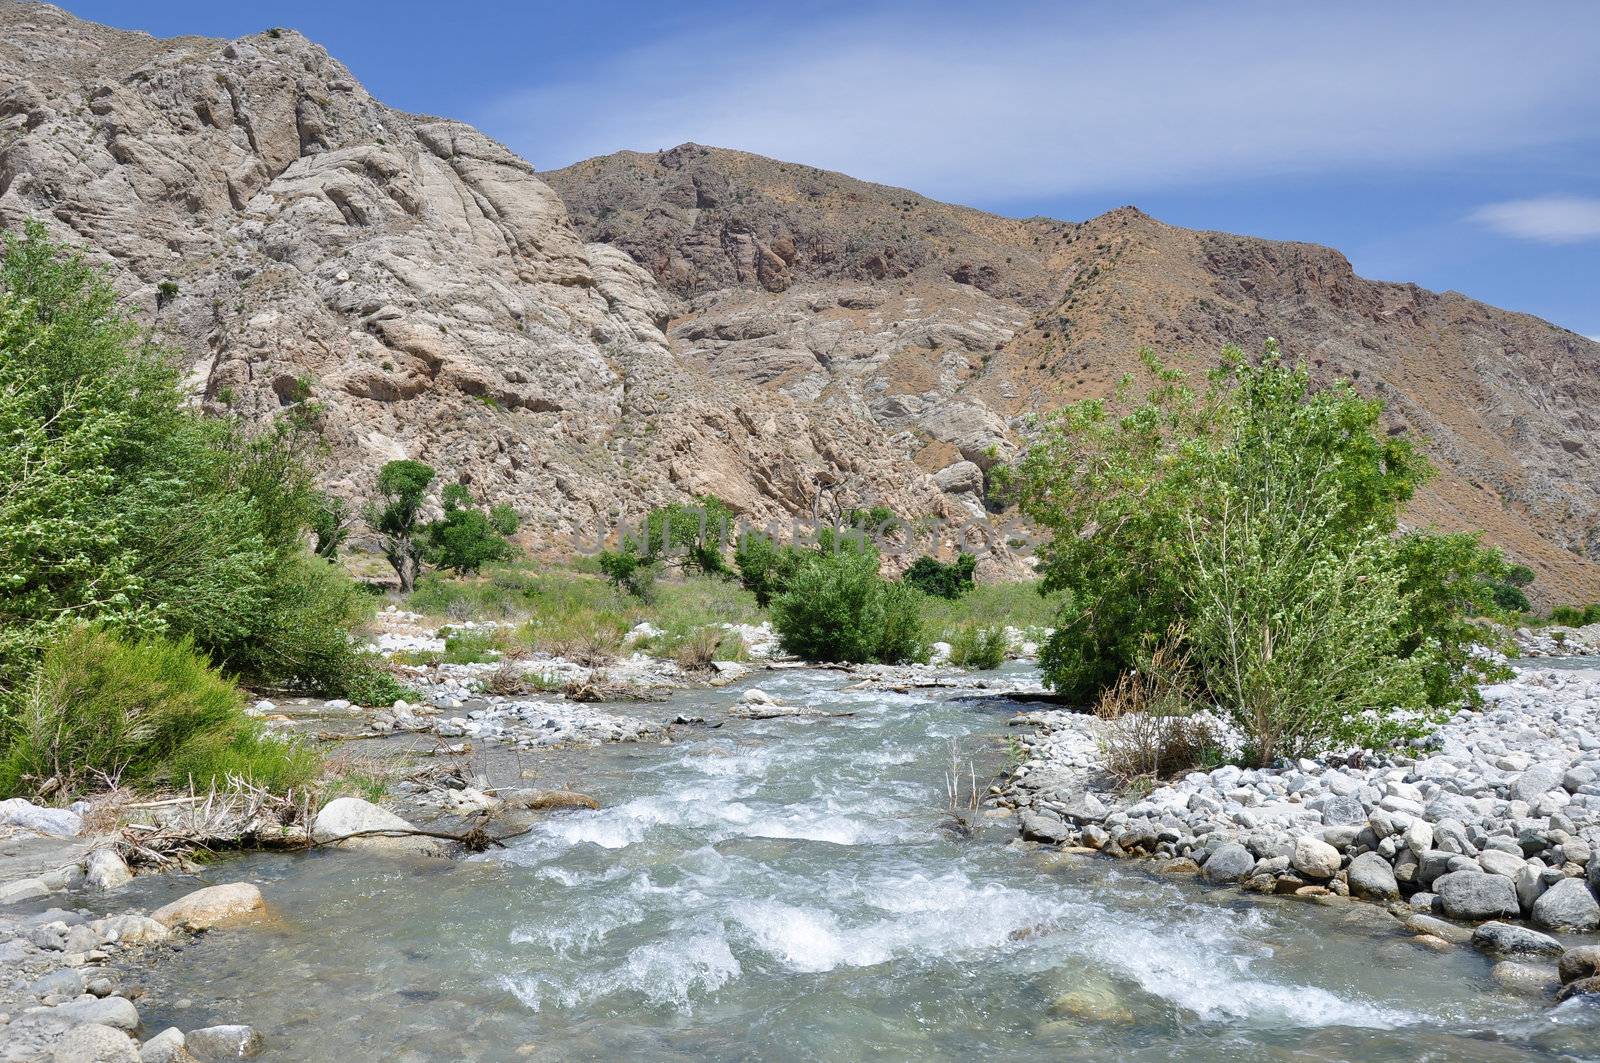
(785, 890)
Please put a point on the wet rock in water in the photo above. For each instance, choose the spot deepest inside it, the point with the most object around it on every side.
(1229, 863)
(1583, 987)
(24, 889)
(1531, 978)
(1580, 962)
(129, 929)
(1515, 940)
(548, 800)
(1040, 827)
(96, 1043)
(105, 870)
(1095, 1003)
(216, 1043)
(1371, 877)
(205, 908)
(347, 816)
(1568, 905)
(1180, 866)
(1418, 923)
(1477, 895)
(1431, 943)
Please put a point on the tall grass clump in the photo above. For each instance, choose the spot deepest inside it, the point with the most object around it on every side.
(102, 712)
(979, 647)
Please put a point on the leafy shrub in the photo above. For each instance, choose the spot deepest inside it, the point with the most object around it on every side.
(103, 712)
(628, 571)
(837, 608)
(120, 504)
(470, 647)
(694, 536)
(974, 646)
(397, 518)
(374, 686)
(942, 579)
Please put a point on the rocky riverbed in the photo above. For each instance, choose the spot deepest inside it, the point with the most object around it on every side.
(1493, 819)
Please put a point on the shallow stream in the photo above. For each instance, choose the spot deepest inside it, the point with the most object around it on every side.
(783, 890)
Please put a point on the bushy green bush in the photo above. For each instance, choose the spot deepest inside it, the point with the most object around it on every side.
(120, 504)
(942, 579)
(838, 608)
(1260, 517)
(628, 571)
(374, 686)
(693, 536)
(978, 646)
(103, 712)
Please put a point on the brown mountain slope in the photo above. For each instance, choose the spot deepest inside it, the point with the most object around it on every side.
(944, 323)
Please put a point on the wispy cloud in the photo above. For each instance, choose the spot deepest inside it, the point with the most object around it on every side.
(998, 101)
(1548, 219)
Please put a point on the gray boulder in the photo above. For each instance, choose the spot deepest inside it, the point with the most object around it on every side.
(109, 1011)
(1568, 905)
(93, 1042)
(1039, 827)
(1514, 940)
(1315, 858)
(1536, 782)
(105, 870)
(1372, 877)
(1229, 863)
(346, 816)
(55, 822)
(1477, 895)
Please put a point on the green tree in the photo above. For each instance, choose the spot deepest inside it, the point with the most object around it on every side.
(403, 487)
(1261, 516)
(330, 525)
(466, 538)
(694, 536)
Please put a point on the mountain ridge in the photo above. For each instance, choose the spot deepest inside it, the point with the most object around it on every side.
(641, 327)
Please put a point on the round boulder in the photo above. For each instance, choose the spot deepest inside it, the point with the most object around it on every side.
(1567, 905)
(1315, 858)
(1230, 863)
(207, 907)
(1477, 895)
(1372, 877)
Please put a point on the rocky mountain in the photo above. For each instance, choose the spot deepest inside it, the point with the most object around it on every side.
(642, 327)
(944, 325)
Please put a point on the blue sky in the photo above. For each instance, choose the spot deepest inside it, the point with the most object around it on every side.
(1455, 144)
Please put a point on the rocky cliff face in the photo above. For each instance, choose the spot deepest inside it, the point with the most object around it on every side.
(641, 327)
(298, 241)
(944, 325)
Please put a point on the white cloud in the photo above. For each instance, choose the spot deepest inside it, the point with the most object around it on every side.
(1005, 101)
(1549, 219)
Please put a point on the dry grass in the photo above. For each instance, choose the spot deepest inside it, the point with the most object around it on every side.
(1151, 730)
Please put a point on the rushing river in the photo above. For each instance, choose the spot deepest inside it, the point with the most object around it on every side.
(783, 890)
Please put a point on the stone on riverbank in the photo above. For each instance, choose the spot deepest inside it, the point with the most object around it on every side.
(1477, 895)
(1372, 878)
(1315, 858)
(1567, 905)
(1580, 962)
(165, 1047)
(52, 822)
(105, 870)
(205, 908)
(347, 816)
(109, 1011)
(96, 1043)
(1229, 863)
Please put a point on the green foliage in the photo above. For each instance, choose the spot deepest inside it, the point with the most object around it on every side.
(470, 647)
(465, 538)
(101, 712)
(979, 647)
(764, 565)
(372, 686)
(331, 518)
(1450, 583)
(940, 578)
(694, 536)
(1258, 516)
(837, 608)
(403, 487)
(1574, 615)
(628, 571)
(119, 504)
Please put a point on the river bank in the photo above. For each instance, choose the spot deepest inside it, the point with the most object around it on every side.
(465, 757)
